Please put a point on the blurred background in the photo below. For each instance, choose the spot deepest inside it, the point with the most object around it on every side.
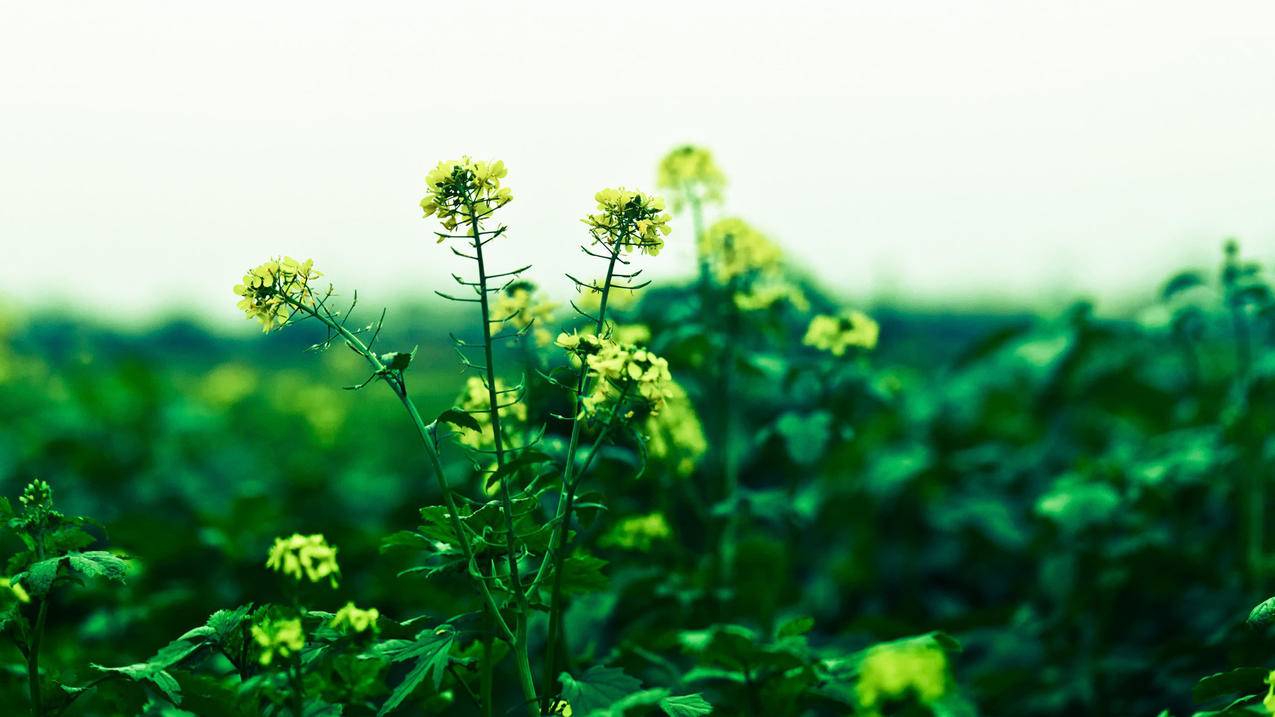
(1049, 455)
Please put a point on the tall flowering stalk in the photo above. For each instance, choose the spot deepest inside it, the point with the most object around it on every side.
(464, 194)
(625, 221)
(692, 178)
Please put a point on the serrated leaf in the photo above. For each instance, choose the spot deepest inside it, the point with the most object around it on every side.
(583, 574)
(685, 705)
(432, 651)
(597, 689)
(40, 577)
(1263, 614)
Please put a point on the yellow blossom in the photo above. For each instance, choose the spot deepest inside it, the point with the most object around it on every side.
(733, 249)
(638, 532)
(628, 220)
(675, 433)
(690, 173)
(278, 638)
(273, 291)
(464, 191)
(762, 295)
(520, 307)
(894, 670)
(836, 333)
(305, 556)
(476, 401)
(560, 707)
(356, 619)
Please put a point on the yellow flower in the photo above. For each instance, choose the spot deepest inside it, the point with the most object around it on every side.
(305, 556)
(16, 590)
(638, 532)
(627, 220)
(560, 707)
(464, 191)
(356, 619)
(280, 638)
(733, 248)
(893, 670)
(692, 175)
(519, 306)
(675, 432)
(763, 294)
(476, 401)
(273, 291)
(620, 370)
(1269, 701)
(836, 333)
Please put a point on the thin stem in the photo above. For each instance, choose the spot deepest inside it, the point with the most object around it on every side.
(519, 645)
(33, 658)
(485, 676)
(566, 498)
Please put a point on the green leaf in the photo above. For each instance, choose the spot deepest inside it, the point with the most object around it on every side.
(524, 459)
(805, 435)
(597, 689)
(1263, 614)
(685, 705)
(432, 651)
(796, 626)
(1245, 680)
(458, 418)
(1180, 283)
(583, 574)
(40, 577)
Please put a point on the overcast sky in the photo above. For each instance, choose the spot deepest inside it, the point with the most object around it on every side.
(150, 152)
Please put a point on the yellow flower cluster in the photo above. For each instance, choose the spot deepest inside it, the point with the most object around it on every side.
(619, 370)
(278, 638)
(837, 333)
(771, 290)
(462, 190)
(691, 173)
(638, 532)
(355, 619)
(676, 434)
(520, 306)
(734, 248)
(475, 401)
(305, 556)
(893, 670)
(272, 291)
(628, 219)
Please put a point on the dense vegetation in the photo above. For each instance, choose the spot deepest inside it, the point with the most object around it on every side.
(732, 496)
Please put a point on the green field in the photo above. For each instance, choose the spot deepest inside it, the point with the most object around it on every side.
(779, 504)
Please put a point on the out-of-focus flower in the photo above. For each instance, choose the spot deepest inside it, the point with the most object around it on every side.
(837, 333)
(638, 532)
(689, 173)
(355, 619)
(462, 190)
(628, 220)
(675, 433)
(273, 291)
(278, 638)
(894, 670)
(768, 292)
(733, 248)
(305, 557)
(520, 306)
(476, 401)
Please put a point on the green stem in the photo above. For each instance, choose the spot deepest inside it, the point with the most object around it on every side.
(485, 673)
(566, 500)
(519, 646)
(33, 658)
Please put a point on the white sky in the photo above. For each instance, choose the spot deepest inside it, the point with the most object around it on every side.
(150, 152)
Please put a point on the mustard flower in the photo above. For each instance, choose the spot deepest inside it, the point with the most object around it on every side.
(305, 556)
(619, 370)
(628, 219)
(464, 191)
(675, 433)
(278, 638)
(837, 333)
(895, 670)
(520, 306)
(690, 173)
(769, 291)
(734, 249)
(476, 401)
(355, 619)
(638, 532)
(273, 291)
